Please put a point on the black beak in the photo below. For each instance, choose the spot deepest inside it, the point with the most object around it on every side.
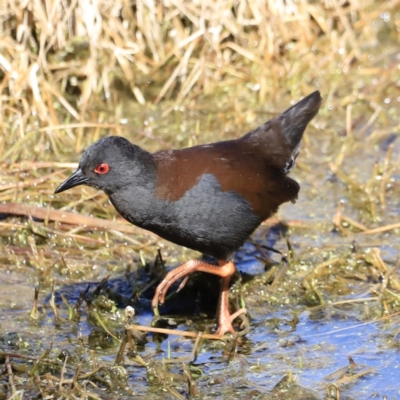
(77, 178)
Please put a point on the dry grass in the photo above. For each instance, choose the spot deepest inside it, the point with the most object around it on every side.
(59, 55)
(63, 63)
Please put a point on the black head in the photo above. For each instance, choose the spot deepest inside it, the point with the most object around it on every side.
(109, 164)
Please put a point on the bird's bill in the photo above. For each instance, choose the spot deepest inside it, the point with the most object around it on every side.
(77, 178)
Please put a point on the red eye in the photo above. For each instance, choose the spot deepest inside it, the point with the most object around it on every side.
(102, 169)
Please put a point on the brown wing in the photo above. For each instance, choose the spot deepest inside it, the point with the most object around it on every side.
(237, 167)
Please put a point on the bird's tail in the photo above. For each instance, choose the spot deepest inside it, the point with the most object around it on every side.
(278, 140)
(296, 118)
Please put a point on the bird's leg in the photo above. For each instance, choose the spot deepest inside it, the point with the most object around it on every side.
(225, 270)
(225, 319)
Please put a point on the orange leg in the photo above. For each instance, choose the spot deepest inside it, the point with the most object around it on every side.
(225, 270)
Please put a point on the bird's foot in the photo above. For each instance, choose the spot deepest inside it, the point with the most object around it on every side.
(223, 271)
(225, 321)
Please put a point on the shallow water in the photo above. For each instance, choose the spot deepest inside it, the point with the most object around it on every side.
(292, 331)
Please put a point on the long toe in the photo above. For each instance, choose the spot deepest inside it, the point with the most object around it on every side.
(223, 271)
(225, 328)
(181, 272)
(225, 321)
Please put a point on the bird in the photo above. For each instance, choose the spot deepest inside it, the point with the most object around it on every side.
(208, 198)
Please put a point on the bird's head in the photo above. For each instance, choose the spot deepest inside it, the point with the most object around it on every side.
(109, 164)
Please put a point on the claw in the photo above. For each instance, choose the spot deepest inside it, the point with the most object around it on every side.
(183, 283)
